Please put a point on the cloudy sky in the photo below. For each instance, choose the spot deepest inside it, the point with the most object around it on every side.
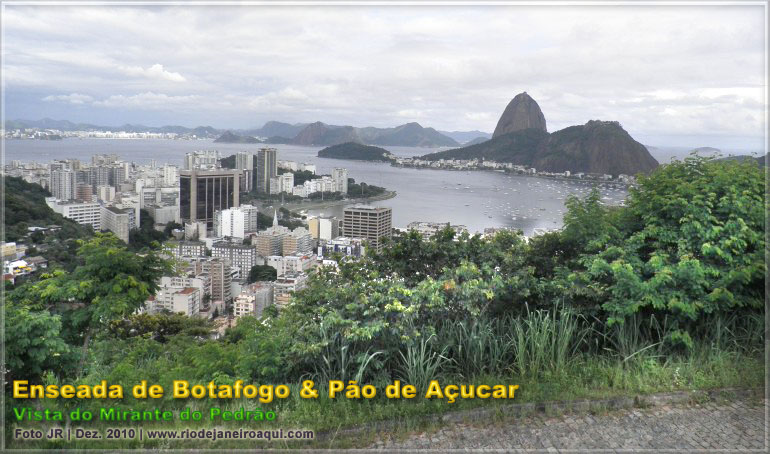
(688, 76)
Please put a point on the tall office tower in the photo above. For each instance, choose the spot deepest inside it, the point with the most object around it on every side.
(265, 168)
(63, 184)
(203, 192)
(340, 177)
(244, 162)
(370, 223)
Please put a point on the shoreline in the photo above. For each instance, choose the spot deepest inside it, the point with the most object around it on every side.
(330, 203)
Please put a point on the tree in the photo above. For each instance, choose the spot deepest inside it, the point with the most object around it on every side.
(34, 344)
(689, 245)
(262, 273)
(110, 283)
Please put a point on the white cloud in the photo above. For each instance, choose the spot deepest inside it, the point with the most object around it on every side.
(72, 98)
(155, 71)
(148, 100)
(453, 67)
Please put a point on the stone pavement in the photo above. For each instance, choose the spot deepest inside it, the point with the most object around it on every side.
(738, 424)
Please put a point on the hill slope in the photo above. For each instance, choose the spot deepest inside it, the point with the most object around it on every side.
(596, 147)
(355, 151)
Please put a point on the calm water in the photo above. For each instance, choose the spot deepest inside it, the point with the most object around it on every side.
(475, 199)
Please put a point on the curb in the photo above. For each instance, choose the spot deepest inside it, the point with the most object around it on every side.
(572, 406)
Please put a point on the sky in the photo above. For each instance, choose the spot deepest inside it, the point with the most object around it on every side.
(671, 75)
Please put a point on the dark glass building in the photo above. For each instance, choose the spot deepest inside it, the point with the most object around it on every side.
(202, 192)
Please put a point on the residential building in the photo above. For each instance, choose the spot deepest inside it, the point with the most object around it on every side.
(298, 241)
(286, 285)
(118, 221)
(369, 223)
(340, 177)
(350, 247)
(244, 162)
(291, 263)
(266, 168)
(323, 228)
(241, 256)
(185, 249)
(230, 223)
(63, 184)
(221, 276)
(201, 160)
(253, 299)
(87, 213)
(428, 229)
(175, 300)
(84, 192)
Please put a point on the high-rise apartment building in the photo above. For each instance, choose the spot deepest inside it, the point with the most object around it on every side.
(230, 223)
(369, 223)
(241, 256)
(201, 160)
(266, 167)
(63, 184)
(204, 192)
(340, 177)
(298, 241)
(118, 221)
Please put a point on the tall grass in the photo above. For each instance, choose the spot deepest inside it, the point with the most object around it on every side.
(421, 363)
(479, 346)
(337, 361)
(544, 341)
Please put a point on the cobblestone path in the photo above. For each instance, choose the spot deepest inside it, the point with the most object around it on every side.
(734, 425)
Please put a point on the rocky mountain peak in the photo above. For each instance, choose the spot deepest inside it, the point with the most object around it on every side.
(521, 113)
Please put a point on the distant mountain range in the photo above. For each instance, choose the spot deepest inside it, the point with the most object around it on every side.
(465, 137)
(321, 134)
(318, 133)
(66, 125)
(600, 147)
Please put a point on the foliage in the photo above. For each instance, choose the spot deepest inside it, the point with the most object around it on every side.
(690, 244)
(36, 345)
(262, 273)
(25, 207)
(146, 236)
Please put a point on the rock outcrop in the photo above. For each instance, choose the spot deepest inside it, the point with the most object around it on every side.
(521, 113)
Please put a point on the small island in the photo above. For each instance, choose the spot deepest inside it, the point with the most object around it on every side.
(229, 137)
(356, 151)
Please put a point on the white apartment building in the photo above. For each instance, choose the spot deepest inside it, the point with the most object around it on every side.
(63, 184)
(340, 177)
(291, 264)
(241, 256)
(175, 300)
(87, 213)
(118, 221)
(230, 223)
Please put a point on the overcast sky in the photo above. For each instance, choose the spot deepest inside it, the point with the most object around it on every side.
(689, 76)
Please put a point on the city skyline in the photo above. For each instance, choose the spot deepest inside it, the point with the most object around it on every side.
(447, 67)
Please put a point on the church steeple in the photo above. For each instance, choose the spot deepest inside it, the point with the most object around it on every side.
(275, 218)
